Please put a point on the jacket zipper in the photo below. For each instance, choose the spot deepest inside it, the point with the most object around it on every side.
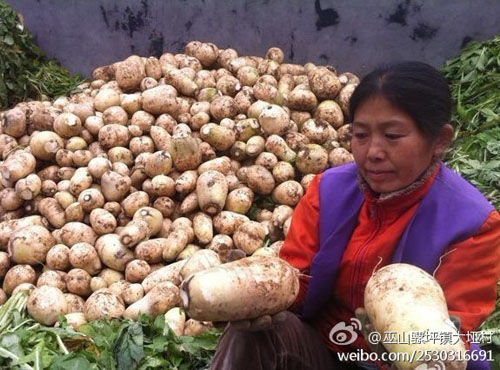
(360, 254)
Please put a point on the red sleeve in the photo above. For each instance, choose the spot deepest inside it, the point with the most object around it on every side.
(469, 275)
(301, 242)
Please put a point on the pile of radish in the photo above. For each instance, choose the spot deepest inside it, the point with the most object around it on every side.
(158, 169)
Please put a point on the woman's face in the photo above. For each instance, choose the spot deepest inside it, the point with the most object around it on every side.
(389, 149)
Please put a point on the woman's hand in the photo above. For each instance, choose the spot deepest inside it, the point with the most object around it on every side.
(366, 329)
(265, 322)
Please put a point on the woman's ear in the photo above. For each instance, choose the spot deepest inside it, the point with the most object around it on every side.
(443, 140)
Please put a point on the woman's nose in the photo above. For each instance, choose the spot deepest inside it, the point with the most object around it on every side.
(376, 150)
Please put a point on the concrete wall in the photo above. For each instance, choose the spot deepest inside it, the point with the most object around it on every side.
(352, 35)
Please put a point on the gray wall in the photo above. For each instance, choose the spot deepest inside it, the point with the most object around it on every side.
(352, 35)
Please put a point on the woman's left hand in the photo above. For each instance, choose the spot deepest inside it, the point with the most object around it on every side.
(366, 329)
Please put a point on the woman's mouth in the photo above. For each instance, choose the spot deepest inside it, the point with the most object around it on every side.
(378, 175)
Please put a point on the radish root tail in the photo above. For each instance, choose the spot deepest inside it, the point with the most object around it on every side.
(380, 259)
(440, 261)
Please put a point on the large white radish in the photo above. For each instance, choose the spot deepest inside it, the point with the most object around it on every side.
(402, 298)
(239, 290)
(157, 301)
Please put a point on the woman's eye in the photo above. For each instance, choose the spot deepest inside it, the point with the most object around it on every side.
(393, 136)
(360, 135)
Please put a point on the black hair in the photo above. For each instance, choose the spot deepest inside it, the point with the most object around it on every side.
(416, 88)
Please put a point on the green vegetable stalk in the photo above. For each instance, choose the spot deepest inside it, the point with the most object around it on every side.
(105, 344)
(474, 77)
(25, 72)
(17, 303)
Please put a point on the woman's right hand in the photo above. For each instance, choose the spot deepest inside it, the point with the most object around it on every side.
(265, 322)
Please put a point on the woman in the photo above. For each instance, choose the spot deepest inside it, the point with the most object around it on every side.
(397, 203)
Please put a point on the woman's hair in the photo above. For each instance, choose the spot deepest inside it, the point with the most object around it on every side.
(416, 88)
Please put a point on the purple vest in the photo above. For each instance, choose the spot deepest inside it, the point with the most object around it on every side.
(452, 211)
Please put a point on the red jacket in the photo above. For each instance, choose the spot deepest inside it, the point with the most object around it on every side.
(470, 288)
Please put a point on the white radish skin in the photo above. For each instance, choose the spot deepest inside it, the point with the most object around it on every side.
(221, 164)
(134, 201)
(106, 98)
(339, 156)
(23, 287)
(168, 273)
(212, 190)
(29, 187)
(186, 182)
(278, 146)
(8, 227)
(288, 193)
(30, 244)
(136, 271)
(203, 227)
(102, 304)
(78, 282)
(185, 152)
(201, 260)
(112, 252)
(156, 302)
(75, 302)
(14, 122)
(227, 222)
(222, 245)
(97, 283)
(403, 298)
(132, 293)
(45, 144)
(153, 218)
(175, 318)
(46, 303)
(118, 287)
(135, 232)
(18, 165)
(280, 215)
(84, 256)
(114, 186)
(265, 251)
(239, 290)
(102, 221)
(194, 328)
(52, 210)
(250, 236)
(18, 275)
(75, 232)
(188, 252)
(175, 243)
(4, 264)
(58, 257)
(240, 200)
(110, 276)
(75, 319)
(151, 250)
(51, 278)
(260, 180)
